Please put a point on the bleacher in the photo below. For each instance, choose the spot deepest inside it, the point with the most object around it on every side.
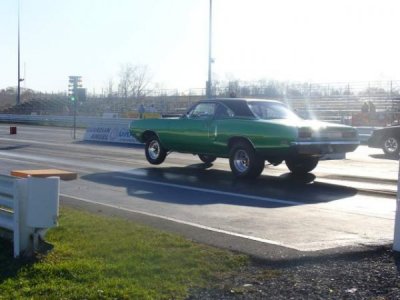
(332, 109)
(38, 106)
(337, 109)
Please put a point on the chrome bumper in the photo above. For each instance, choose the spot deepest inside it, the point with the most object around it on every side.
(323, 147)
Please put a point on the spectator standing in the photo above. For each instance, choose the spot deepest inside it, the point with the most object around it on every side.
(371, 106)
(141, 110)
(365, 107)
(152, 109)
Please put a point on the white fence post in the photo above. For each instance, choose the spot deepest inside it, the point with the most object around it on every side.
(25, 232)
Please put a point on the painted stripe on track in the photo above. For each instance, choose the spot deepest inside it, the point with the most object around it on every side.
(184, 222)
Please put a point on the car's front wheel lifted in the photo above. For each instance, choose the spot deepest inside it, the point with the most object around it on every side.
(301, 165)
(208, 159)
(391, 146)
(244, 161)
(155, 153)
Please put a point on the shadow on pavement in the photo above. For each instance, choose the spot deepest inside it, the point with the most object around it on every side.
(198, 185)
(110, 144)
(14, 147)
(383, 156)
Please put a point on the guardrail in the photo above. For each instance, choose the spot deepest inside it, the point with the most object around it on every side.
(28, 207)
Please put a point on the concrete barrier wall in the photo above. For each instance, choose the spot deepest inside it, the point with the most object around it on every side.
(111, 123)
(109, 133)
(67, 121)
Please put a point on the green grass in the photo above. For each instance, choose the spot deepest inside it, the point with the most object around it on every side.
(99, 257)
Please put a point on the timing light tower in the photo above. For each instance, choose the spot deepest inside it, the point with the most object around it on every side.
(74, 86)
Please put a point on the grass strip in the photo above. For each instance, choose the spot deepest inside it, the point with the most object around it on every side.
(100, 257)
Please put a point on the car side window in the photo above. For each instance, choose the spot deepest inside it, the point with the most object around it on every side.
(224, 112)
(202, 111)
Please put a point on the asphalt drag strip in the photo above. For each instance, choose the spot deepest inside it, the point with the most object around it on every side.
(264, 250)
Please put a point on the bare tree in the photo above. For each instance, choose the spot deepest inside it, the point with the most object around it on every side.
(133, 80)
(141, 80)
(110, 88)
(125, 80)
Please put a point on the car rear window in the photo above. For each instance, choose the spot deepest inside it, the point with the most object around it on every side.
(239, 107)
(271, 110)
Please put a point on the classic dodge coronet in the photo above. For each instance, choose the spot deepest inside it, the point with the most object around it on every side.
(248, 132)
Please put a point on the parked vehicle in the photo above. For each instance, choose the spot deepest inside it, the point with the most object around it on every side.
(248, 132)
(388, 139)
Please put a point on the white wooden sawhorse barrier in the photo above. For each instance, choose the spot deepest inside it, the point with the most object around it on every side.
(28, 206)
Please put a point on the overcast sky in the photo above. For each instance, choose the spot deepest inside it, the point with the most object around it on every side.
(308, 40)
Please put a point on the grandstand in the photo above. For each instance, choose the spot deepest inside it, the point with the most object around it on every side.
(333, 104)
(38, 106)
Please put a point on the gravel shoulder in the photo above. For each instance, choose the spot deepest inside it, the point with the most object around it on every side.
(372, 273)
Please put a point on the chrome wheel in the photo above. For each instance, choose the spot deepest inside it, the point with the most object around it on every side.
(244, 161)
(155, 153)
(154, 149)
(241, 161)
(391, 145)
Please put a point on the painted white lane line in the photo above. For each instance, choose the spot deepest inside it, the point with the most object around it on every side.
(184, 222)
(203, 190)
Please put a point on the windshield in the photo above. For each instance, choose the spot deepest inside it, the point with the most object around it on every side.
(271, 110)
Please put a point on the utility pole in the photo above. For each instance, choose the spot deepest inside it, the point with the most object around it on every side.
(391, 97)
(209, 81)
(19, 67)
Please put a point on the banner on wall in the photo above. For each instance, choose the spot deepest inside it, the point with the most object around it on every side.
(109, 134)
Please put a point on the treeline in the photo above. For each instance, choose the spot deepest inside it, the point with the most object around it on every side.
(134, 83)
(279, 89)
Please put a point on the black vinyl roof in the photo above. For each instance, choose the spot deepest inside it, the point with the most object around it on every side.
(238, 105)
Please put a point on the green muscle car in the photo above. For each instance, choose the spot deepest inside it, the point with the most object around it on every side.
(248, 132)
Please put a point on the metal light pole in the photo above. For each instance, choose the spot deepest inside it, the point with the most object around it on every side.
(209, 82)
(19, 69)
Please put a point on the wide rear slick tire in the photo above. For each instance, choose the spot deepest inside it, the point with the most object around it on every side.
(244, 161)
(301, 165)
(207, 159)
(155, 153)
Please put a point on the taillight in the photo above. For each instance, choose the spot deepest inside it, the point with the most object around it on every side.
(305, 133)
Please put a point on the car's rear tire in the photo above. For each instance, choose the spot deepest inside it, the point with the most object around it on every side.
(244, 161)
(301, 165)
(155, 152)
(391, 146)
(208, 159)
